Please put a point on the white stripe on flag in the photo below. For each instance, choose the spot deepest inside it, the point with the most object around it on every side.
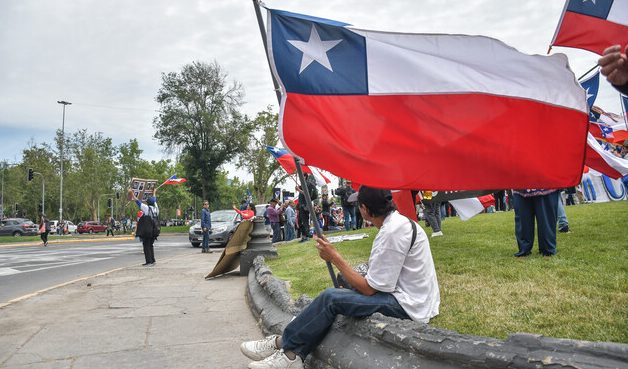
(467, 208)
(454, 64)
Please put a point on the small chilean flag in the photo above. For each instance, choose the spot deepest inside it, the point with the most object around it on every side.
(593, 25)
(468, 208)
(174, 180)
(285, 159)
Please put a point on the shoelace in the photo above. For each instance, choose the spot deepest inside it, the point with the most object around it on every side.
(266, 344)
(274, 356)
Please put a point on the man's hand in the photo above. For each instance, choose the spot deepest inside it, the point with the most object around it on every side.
(326, 250)
(615, 65)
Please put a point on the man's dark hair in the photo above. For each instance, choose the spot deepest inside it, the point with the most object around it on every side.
(378, 202)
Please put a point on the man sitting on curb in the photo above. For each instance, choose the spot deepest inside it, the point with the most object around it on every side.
(401, 282)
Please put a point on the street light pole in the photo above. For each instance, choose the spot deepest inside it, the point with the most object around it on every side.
(64, 103)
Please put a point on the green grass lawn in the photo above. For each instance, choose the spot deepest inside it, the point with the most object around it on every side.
(581, 293)
(54, 237)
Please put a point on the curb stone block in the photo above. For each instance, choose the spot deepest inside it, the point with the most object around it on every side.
(380, 342)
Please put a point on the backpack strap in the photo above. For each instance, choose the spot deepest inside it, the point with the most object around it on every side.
(413, 233)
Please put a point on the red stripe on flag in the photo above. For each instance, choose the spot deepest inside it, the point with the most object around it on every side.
(595, 161)
(456, 141)
(287, 163)
(487, 200)
(589, 33)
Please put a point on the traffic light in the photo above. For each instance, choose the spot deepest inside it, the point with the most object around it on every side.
(40, 208)
(118, 195)
(109, 202)
(30, 174)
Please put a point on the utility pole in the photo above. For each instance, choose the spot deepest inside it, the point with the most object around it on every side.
(64, 103)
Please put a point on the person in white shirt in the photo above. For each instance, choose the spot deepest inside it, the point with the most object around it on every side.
(401, 282)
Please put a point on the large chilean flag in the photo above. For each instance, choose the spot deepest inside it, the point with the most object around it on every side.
(418, 111)
(593, 25)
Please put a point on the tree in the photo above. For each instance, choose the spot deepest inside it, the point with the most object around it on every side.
(200, 117)
(92, 174)
(257, 160)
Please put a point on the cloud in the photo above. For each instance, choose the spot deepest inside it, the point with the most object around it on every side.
(107, 57)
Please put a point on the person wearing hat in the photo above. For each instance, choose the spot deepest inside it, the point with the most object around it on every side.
(400, 282)
(273, 216)
(150, 209)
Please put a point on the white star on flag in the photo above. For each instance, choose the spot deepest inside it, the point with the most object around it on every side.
(314, 50)
(588, 94)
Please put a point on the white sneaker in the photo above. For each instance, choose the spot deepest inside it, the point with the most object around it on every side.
(261, 349)
(278, 360)
(437, 234)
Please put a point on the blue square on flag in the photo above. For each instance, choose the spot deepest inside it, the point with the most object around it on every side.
(593, 8)
(317, 56)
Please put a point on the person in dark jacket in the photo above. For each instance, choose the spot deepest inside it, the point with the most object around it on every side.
(206, 226)
(151, 209)
(348, 208)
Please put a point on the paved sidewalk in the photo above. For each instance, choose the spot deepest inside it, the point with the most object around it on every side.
(165, 316)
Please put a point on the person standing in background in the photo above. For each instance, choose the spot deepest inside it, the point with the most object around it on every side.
(44, 229)
(206, 226)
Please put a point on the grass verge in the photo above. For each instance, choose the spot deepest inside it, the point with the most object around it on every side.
(581, 293)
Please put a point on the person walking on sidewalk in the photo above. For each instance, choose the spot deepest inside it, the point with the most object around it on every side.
(44, 229)
(110, 226)
(400, 282)
(149, 209)
(206, 226)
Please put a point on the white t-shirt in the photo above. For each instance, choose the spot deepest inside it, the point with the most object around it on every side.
(409, 276)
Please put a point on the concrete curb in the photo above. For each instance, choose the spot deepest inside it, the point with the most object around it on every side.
(384, 342)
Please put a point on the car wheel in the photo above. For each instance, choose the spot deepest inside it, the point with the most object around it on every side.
(17, 234)
(91, 231)
(196, 244)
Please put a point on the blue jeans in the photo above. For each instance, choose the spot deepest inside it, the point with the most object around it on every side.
(308, 329)
(589, 190)
(562, 216)
(289, 231)
(206, 240)
(276, 232)
(349, 212)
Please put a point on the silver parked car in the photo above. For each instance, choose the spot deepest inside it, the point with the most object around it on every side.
(223, 225)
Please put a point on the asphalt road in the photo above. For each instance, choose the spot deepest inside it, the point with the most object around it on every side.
(28, 269)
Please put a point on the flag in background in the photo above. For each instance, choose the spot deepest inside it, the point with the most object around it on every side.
(409, 111)
(174, 180)
(591, 87)
(405, 203)
(592, 25)
(468, 208)
(286, 160)
(604, 161)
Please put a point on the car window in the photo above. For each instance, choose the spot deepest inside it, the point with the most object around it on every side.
(223, 215)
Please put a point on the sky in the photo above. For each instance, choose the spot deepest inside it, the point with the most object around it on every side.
(107, 57)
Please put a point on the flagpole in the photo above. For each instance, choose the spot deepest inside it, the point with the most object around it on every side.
(587, 72)
(304, 187)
